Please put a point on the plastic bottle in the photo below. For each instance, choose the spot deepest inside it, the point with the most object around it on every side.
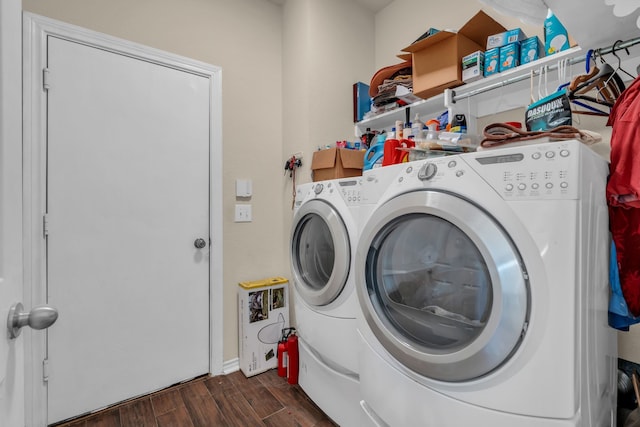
(407, 131)
(459, 123)
(416, 128)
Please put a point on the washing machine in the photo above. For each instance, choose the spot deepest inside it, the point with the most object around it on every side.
(483, 284)
(322, 253)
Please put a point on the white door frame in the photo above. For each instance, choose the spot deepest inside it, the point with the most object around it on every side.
(36, 29)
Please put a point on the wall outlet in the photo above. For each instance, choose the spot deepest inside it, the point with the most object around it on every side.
(243, 213)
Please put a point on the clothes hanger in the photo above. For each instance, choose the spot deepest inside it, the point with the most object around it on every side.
(619, 68)
(603, 79)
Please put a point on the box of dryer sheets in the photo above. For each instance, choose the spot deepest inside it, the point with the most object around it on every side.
(263, 311)
(437, 59)
(334, 163)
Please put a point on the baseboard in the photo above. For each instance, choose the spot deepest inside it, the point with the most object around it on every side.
(230, 366)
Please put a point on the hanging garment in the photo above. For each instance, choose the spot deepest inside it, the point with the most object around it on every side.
(619, 316)
(623, 192)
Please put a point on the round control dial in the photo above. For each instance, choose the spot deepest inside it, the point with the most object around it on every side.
(427, 171)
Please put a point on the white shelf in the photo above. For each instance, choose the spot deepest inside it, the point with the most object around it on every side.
(494, 94)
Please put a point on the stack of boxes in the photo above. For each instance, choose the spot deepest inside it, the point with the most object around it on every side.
(505, 50)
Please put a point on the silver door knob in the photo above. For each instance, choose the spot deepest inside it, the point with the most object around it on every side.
(40, 317)
(200, 243)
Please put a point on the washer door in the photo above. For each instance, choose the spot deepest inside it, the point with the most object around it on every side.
(320, 252)
(444, 288)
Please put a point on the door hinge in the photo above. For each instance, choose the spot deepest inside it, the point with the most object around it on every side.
(45, 78)
(45, 370)
(45, 225)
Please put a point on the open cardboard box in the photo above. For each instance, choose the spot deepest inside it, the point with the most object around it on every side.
(437, 59)
(335, 163)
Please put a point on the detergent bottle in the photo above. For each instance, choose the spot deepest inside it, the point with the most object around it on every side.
(373, 156)
(390, 155)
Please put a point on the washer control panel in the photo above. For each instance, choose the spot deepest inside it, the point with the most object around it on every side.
(351, 190)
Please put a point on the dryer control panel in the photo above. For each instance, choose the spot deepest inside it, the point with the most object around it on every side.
(540, 171)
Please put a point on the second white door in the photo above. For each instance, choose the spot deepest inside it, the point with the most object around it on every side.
(127, 199)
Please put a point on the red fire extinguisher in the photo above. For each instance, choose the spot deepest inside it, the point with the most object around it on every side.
(282, 353)
(288, 355)
(292, 353)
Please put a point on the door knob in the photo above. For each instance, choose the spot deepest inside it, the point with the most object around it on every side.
(200, 243)
(39, 317)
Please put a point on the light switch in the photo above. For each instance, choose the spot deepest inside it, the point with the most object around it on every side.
(243, 213)
(243, 188)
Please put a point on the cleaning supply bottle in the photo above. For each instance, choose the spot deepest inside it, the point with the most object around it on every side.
(390, 150)
(459, 123)
(556, 38)
(416, 128)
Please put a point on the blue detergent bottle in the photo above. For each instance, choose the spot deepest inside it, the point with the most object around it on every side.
(373, 156)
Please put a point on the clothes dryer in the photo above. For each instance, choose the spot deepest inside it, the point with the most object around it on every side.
(322, 249)
(483, 282)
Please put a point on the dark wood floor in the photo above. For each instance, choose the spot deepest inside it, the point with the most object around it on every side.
(228, 400)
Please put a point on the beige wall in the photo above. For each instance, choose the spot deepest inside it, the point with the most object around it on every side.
(287, 76)
(280, 96)
(244, 37)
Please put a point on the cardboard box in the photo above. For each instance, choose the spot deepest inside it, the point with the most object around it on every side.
(492, 61)
(473, 66)
(509, 56)
(336, 163)
(437, 60)
(530, 50)
(263, 311)
(499, 40)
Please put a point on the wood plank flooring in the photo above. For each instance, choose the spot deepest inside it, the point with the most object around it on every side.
(226, 400)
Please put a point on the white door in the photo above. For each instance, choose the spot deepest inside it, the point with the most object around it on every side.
(127, 199)
(11, 280)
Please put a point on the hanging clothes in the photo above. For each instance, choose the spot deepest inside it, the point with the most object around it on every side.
(623, 192)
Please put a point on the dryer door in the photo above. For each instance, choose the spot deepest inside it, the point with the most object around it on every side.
(320, 252)
(444, 288)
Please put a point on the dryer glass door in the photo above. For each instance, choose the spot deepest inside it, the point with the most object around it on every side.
(320, 252)
(446, 292)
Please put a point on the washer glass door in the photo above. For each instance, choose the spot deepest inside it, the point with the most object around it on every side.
(446, 292)
(320, 252)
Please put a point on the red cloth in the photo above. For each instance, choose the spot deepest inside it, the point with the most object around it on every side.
(623, 191)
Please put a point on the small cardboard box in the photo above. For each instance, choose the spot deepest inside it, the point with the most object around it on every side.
(492, 61)
(437, 60)
(509, 56)
(336, 163)
(263, 311)
(499, 40)
(473, 66)
(530, 50)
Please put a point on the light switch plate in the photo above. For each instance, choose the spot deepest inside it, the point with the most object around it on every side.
(244, 188)
(243, 213)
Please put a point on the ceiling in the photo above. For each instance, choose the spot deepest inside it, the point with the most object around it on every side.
(372, 5)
